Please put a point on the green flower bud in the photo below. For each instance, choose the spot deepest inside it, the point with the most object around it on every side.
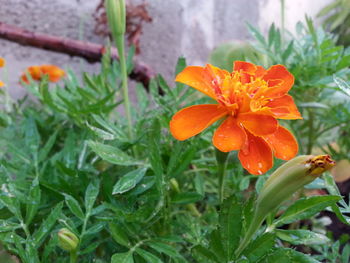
(291, 177)
(282, 184)
(115, 10)
(67, 240)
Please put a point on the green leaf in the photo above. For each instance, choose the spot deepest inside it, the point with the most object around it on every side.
(256, 34)
(244, 183)
(149, 257)
(216, 245)
(259, 247)
(74, 206)
(12, 204)
(33, 201)
(164, 248)
(180, 65)
(346, 253)
(44, 151)
(118, 233)
(129, 181)
(32, 137)
(180, 159)
(203, 254)
(230, 225)
(112, 154)
(287, 255)
(343, 85)
(126, 257)
(154, 153)
(44, 230)
(316, 105)
(91, 194)
(104, 135)
(302, 237)
(306, 207)
(186, 198)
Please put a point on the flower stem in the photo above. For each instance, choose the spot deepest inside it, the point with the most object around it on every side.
(310, 132)
(120, 46)
(221, 159)
(73, 256)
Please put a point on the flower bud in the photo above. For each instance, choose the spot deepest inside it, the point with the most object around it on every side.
(115, 10)
(291, 177)
(67, 240)
(282, 184)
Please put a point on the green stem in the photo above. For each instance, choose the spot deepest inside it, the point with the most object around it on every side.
(73, 256)
(282, 20)
(310, 132)
(221, 159)
(253, 227)
(120, 46)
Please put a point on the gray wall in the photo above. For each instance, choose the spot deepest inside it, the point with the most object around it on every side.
(189, 28)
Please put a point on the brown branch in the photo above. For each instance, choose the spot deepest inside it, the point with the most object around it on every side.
(90, 51)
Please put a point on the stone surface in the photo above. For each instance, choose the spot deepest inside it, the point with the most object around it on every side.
(190, 28)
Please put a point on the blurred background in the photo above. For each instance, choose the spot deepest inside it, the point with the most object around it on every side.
(163, 30)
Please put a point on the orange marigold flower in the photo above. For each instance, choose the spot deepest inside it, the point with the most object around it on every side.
(2, 64)
(38, 72)
(250, 99)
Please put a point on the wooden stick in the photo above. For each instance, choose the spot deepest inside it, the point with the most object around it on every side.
(90, 51)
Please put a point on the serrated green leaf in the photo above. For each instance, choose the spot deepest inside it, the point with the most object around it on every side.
(44, 151)
(104, 135)
(112, 154)
(186, 198)
(126, 257)
(216, 245)
(74, 206)
(302, 237)
(118, 234)
(129, 181)
(33, 201)
(230, 227)
(46, 226)
(289, 255)
(306, 207)
(96, 228)
(149, 257)
(164, 248)
(203, 254)
(32, 136)
(259, 247)
(91, 194)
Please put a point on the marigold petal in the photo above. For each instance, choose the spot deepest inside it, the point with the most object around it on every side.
(256, 156)
(2, 62)
(35, 72)
(258, 124)
(2, 84)
(277, 89)
(192, 120)
(260, 71)
(55, 73)
(283, 143)
(229, 136)
(284, 108)
(197, 77)
(246, 67)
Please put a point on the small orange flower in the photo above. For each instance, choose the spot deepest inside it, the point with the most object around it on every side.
(2, 64)
(250, 99)
(38, 72)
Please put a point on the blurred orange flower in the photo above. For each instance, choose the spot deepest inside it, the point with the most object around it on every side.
(38, 72)
(2, 63)
(250, 99)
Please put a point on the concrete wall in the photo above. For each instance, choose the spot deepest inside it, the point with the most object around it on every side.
(189, 28)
